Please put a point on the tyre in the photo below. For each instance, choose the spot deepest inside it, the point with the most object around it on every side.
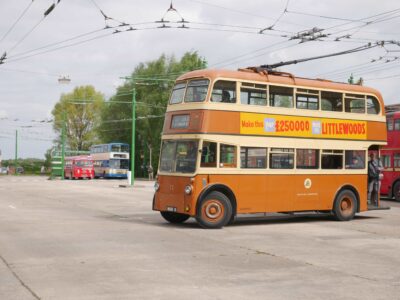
(345, 206)
(173, 217)
(396, 191)
(214, 211)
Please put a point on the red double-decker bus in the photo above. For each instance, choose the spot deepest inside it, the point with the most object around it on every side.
(79, 167)
(390, 154)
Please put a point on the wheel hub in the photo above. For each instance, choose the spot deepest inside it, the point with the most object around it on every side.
(213, 210)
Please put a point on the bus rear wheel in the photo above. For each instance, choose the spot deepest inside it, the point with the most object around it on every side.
(396, 191)
(345, 206)
(173, 217)
(214, 211)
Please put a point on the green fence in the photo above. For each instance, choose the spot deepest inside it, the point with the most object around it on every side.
(56, 160)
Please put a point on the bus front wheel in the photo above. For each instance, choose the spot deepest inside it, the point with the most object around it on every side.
(173, 217)
(345, 206)
(214, 211)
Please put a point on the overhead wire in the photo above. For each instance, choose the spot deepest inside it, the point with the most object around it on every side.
(45, 14)
(16, 21)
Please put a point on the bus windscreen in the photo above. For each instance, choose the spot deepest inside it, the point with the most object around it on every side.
(179, 156)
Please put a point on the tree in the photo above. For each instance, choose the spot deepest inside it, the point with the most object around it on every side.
(82, 109)
(152, 94)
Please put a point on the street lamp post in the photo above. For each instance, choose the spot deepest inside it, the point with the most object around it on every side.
(16, 151)
(133, 134)
(63, 145)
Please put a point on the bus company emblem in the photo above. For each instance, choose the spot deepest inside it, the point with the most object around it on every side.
(316, 127)
(307, 183)
(171, 188)
(269, 125)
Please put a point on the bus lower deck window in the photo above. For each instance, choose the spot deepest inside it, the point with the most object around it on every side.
(227, 154)
(355, 159)
(332, 159)
(209, 155)
(307, 159)
(253, 158)
(281, 158)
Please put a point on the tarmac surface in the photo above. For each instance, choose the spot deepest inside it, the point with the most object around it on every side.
(94, 240)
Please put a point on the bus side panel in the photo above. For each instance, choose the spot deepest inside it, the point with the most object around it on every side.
(249, 190)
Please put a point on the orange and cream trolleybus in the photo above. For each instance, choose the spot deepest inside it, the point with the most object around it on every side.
(257, 141)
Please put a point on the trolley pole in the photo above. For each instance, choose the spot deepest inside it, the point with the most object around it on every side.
(63, 145)
(16, 151)
(133, 133)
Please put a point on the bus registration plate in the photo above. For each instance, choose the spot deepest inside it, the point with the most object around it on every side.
(171, 208)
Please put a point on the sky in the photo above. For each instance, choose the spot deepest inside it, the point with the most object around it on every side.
(72, 41)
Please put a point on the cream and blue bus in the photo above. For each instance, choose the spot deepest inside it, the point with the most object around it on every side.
(110, 160)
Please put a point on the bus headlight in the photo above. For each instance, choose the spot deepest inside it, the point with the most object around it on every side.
(188, 189)
(156, 186)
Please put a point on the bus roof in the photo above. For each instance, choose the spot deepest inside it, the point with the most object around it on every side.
(251, 74)
(79, 157)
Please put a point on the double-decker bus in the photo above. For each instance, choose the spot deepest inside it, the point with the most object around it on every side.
(110, 160)
(256, 141)
(77, 167)
(390, 155)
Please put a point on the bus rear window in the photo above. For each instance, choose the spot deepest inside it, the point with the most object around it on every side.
(196, 90)
(178, 93)
(373, 107)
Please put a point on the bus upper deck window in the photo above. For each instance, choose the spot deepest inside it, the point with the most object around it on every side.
(196, 90)
(355, 103)
(253, 94)
(331, 101)
(389, 124)
(373, 107)
(224, 91)
(280, 96)
(178, 93)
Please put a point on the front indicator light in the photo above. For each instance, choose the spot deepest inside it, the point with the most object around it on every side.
(156, 186)
(188, 189)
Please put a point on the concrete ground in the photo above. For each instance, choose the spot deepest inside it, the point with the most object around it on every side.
(95, 240)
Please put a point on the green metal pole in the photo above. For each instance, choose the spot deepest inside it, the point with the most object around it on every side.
(63, 145)
(133, 134)
(16, 151)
